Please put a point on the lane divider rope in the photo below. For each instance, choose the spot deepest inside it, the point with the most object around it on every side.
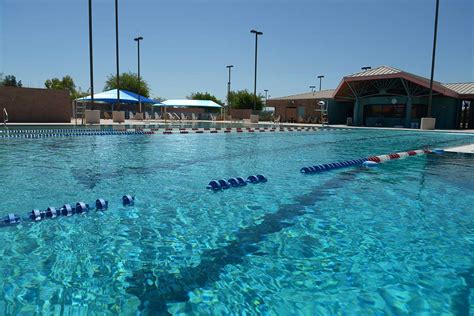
(371, 161)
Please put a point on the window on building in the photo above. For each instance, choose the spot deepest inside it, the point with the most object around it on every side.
(386, 110)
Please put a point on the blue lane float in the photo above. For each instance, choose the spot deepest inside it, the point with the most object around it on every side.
(218, 185)
(332, 166)
(128, 200)
(52, 212)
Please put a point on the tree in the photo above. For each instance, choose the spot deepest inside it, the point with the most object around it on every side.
(10, 81)
(243, 99)
(204, 96)
(129, 82)
(159, 99)
(66, 83)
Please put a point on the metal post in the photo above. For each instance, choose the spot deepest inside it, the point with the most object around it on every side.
(430, 100)
(138, 39)
(228, 86)
(266, 96)
(139, 95)
(117, 53)
(91, 57)
(257, 33)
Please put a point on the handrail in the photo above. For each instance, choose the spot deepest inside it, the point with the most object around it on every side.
(5, 116)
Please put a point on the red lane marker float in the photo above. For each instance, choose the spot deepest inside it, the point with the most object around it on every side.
(393, 156)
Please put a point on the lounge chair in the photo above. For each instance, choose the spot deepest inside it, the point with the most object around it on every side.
(130, 115)
(194, 117)
(170, 116)
(157, 116)
(183, 117)
(276, 119)
(147, 116)
(213, 117)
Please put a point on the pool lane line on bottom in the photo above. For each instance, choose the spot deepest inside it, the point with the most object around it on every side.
(156, 291)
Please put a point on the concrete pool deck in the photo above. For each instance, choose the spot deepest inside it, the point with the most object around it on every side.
(107, 122)
(467, 149)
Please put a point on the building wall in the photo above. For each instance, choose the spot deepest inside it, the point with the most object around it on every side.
(338, 112)
(240, 114)
(445, 110)
(30, 105)
(290, 110)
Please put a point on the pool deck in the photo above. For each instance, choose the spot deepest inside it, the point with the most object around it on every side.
(467, 149)
(152, 122)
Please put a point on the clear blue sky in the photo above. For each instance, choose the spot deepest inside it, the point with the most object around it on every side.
(187, 44)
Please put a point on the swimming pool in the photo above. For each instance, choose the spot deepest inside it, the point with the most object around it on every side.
(394, 240)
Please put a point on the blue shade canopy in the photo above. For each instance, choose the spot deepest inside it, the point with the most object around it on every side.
(189, 104)
(111, 97)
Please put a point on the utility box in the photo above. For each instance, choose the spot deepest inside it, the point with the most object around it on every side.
(118, 116)
(253, 118)
(428, 123)
(92, 116)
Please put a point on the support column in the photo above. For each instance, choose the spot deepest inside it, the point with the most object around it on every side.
(357, 109)
(408, 112)
(470, 120)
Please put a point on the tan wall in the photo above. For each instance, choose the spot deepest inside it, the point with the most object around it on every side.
(29, 105)
(288, 109)
(240, 114)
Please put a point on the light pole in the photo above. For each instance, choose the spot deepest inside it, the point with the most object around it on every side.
(430, 100)
(138, 39)
(365, 68)
(91, 57)
(229, 67)
(117, 54)
(266, 96)
(320, 80)
(257, 33)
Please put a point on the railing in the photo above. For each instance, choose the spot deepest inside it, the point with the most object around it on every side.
(5, 117)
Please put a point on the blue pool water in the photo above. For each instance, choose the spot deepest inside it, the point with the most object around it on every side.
(396, 240)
